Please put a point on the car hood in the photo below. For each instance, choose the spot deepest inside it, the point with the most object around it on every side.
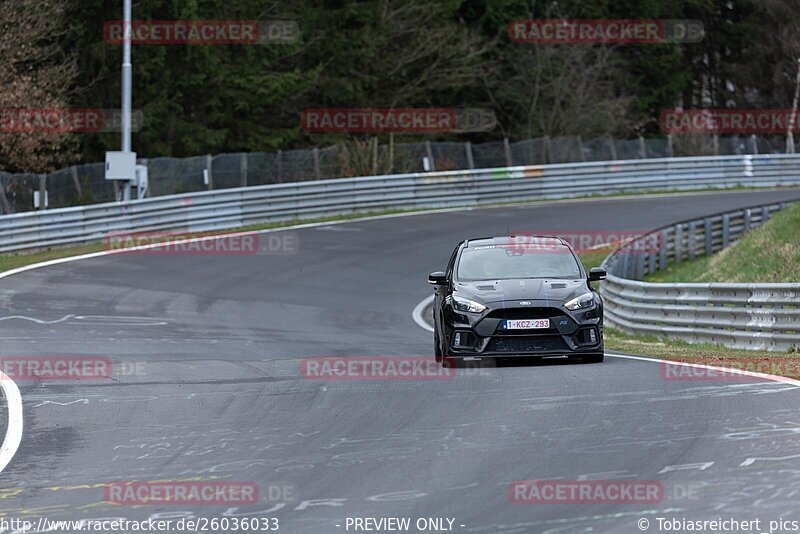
(554, 291)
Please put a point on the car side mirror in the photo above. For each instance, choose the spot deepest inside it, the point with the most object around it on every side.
(596, 274)
(437, 278)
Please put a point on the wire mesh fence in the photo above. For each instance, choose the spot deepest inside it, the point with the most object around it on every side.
(86, 184)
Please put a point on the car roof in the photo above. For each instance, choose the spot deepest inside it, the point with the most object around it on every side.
(516, 240)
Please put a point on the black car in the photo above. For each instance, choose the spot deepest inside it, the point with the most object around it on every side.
(509, 296)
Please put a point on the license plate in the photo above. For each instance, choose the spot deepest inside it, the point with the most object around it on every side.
(527, 324)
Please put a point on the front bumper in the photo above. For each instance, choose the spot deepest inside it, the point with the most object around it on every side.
(485, 335)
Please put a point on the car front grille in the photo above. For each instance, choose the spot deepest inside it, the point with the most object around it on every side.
(511, 344)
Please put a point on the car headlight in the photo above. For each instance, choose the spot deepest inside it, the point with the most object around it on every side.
(465, 305)
(578, 303)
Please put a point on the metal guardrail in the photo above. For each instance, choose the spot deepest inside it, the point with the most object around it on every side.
(737, 315)
(229, 208)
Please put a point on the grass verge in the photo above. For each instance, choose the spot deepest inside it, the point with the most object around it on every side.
(761, 361)
(770, 253)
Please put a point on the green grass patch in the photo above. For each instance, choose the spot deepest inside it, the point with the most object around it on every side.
(777, 363)
(770, 253)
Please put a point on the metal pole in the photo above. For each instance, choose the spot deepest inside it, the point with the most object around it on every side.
(793, 119)
(126, 77)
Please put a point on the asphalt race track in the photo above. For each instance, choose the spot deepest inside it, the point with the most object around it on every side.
(210, 388)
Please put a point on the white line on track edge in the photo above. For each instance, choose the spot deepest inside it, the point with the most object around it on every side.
(14, 432)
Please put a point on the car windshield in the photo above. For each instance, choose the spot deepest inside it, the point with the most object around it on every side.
(499, 262)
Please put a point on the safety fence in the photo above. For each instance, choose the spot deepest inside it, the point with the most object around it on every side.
(86, 184)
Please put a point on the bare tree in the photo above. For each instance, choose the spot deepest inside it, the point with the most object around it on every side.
(34, 74)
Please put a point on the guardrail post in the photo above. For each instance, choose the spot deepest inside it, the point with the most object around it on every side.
(709, 234)
(639, 266)
(726, 229)
(662, 250)
(678, 243)
(692, 239)
(470, 160)
(652, 264)
(747, 216)
(764, 216)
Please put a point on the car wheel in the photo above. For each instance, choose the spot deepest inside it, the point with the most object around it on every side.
(593, 358)
(437, 347)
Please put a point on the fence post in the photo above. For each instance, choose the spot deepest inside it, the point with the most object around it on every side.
(315, 155)
(546, 145)
(470, 160)
(580, 149)
(613, 148)
(669, 145)
(507, 150)
(279, 163)
(375, 156)
(715, 143)
(42, 191)
(753, 144)
(678, 243)
(243, 169)
(74, 171)
(391, 153)
(209, 164)
(429, 153)
(708, 235)
(662, 249)
(6, 207)
(642, 147)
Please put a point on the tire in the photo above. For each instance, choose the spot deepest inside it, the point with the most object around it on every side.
(437, 347)
(593, 358)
